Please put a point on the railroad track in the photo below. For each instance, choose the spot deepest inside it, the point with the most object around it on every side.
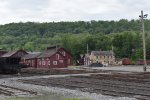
(12, 91)
(121, 85)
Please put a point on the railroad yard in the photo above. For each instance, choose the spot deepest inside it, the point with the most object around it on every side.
(88, 83)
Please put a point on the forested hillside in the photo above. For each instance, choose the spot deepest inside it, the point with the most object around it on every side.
(123, 35)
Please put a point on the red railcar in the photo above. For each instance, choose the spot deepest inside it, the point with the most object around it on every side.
(126, 61)
(141, 62)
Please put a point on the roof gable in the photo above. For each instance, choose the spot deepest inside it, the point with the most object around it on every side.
(11, 53)
(51, 51)
(65, 50)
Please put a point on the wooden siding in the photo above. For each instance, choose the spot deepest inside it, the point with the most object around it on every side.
(51, 59)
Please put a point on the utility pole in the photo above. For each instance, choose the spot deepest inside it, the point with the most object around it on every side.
(87, 49)
(143, 37)
(87, 60)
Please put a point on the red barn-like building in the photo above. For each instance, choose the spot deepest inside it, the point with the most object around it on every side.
(53, 57)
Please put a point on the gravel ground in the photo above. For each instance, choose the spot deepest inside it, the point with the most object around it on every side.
(129, 68)
(55, 91)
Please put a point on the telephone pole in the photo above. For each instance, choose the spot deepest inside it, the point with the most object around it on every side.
(143, 37)
(87, 49)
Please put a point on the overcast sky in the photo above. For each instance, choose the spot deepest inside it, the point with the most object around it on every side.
(70, 10)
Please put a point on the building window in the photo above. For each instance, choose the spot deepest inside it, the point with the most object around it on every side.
(54, 62)
(68, 61)
(40, 62)
(28, 61)
(49, 63)
(32, 62)
(57, 56)
(47, 59)
(64, 53)
(61, 61)
(43, 62)
(96, 57)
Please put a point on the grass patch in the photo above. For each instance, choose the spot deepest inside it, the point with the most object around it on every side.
(49, 96)
(43, 98)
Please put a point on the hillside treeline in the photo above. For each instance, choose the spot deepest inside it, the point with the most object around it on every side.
(123, 36)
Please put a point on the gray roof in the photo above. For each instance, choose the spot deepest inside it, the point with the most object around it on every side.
(33, 52)
(102, 52)
(47, 53)
(9, 54)
(31, 56)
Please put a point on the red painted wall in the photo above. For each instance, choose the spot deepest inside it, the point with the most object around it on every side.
(30, 62)
(65, 59)
(51, 62)
(68, 56)
(20, 53)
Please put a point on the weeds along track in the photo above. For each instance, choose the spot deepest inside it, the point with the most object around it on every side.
(121, 85)
(12, 91)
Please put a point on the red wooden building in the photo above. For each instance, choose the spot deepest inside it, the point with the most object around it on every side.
(30, 59)
(53, 57)
(13, 57)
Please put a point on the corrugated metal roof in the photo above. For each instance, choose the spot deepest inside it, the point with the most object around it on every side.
(47, 53)
(102, 52)
(9, 54)
(31, 56)
(30, 52)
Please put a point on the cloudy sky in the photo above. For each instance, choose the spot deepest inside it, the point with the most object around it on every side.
(70, 10)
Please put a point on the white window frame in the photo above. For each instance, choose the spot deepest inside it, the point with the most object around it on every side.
(47, 59)
(69, 61)
(32, 62)
(40, 62)
(43, 62)
(57, 56)
(55, 62)
(61, 61)
(49, 62)
(64, 53)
